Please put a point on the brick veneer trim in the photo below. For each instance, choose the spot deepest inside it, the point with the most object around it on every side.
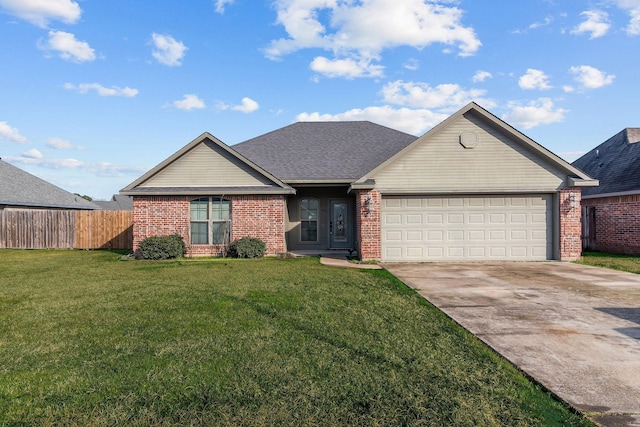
(617, 228)
(368, 225)
(570, 224)
(251, 216)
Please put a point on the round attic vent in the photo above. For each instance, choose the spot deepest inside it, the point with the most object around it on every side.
(468, 139)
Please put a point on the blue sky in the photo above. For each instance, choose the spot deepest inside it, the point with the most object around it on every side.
(94, 93)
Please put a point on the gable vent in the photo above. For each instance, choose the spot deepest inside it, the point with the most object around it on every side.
(469, 139)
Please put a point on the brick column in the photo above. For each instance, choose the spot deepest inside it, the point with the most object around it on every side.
(570, 224)
(368, 224)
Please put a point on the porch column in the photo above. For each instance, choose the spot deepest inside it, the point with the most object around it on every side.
(368, 225)
(570, 224)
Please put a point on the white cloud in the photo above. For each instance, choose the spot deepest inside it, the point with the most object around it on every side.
(363, 29)
(537, 112)
(11, 133)
(247, 105)
(189, 102)
(411, 64)
(84, 88)
(68, 47)
(590, 77)
(447, 97)
(220, 5)
(548, 20)
(534, 79)
(167, 50)
(633, 8)
(568, 89)
(481, 76)
(32, 154)
(596, 24)
(348, 68)
(41, 12)
(405, 119)
(61, 144)
(96, 168)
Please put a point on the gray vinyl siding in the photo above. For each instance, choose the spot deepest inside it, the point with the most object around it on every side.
(206, 165)
(440, 164)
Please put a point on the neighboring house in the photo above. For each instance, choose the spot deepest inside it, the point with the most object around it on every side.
(472, 188)
(21, 190)
(118, 202)
(612, 210)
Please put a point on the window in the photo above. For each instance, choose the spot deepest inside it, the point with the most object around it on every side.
(210, 221)
(309, 220)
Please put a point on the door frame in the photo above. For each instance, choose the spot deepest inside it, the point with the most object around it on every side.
(349, 227)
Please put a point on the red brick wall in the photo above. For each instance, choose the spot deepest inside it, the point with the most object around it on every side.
(617, 223)
(368, 225)
(570, 224)
(251, 216)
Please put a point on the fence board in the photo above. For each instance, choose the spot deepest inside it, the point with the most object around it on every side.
(65, 229)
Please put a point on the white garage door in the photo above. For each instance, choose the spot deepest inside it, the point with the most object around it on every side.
(467, 228)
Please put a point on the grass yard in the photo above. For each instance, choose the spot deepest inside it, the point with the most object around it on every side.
(628, 263)
(86, 339)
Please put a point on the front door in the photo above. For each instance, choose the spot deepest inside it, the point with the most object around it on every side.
(339, 225)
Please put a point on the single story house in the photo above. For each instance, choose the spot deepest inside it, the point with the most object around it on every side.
(22, 190)
(471, 188)
(612, 210)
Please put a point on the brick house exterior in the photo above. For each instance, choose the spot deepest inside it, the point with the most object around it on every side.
(611, 211)
(313, 187)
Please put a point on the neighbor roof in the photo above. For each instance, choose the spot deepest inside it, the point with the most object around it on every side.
(118, 202)
(20, 188)
(324, 151)
(615, 162)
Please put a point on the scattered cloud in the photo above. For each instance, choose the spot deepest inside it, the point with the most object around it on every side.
(247, 105)
(413, 121)
(596, 24)
(61, 144)
(189, 102)
(481, 76)
(568, 88)
(167, 50)
(84, 88)
(11, 133)
(548, 20)
(68, 47)
(360, 31)
(633, 8)
(349, 68)
(590, 77)
(535, 113)
(41, 12)
(32, 154)
(411, 64)
(534, 79)
(445, 97)
(220, 5)
(104, 169)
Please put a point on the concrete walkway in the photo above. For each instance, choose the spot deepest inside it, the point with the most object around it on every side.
(574, 328)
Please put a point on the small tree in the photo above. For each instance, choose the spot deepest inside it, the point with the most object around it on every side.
(247, 247)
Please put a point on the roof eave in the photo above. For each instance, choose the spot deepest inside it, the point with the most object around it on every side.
(206, 192)
(579, 182)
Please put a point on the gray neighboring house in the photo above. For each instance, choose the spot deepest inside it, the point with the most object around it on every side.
(118, 202)
(21, 190)
(611, 212)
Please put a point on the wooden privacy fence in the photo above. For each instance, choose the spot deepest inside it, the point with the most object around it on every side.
(66, 229)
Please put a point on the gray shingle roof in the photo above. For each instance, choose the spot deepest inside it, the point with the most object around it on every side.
(615, 162)
(320, 151)
(20, 188)
(118, 202)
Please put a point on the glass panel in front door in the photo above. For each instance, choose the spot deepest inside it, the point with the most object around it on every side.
(339, 222)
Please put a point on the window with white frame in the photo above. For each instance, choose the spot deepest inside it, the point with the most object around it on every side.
(309, 220)
(210, 221)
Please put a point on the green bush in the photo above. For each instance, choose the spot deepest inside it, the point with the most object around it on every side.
(247, 247)
(161, 247)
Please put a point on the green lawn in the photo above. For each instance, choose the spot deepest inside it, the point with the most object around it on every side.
(87, 339)
(628, 263)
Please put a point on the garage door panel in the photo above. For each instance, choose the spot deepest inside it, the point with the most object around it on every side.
(467, 227)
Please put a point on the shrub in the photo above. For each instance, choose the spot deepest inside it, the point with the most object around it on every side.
(161, 247)
(247, 247)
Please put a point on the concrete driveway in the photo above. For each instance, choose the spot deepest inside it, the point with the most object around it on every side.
(574, 328)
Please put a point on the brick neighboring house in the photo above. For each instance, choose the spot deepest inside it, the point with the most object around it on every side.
(612, 210)
(472, 188)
